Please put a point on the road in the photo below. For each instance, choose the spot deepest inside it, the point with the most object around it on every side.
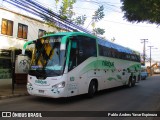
(145, 96)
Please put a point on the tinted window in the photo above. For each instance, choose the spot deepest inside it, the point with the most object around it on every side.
(111, 52)
(22, 31)
(7, 27)
(87, 48)
(82, 48)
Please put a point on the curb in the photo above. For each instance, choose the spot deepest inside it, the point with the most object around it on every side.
(13, 95)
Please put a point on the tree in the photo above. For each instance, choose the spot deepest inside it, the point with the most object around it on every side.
(66, 10)
(98, 31)
(97, 16)
(113, 39)
(141, 10)
(80, 20)
(49, 22)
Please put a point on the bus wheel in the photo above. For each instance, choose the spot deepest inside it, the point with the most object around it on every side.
(130, 82)
(133, 81)
(92, 89)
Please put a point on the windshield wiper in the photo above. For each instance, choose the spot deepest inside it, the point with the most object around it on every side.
(52, 71)
(40, 72)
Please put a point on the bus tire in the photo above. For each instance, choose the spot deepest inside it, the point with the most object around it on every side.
(133, 81)
(92, 89)
(129, 82)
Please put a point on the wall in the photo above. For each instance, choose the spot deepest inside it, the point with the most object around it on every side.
(8, 42)
(33, 27)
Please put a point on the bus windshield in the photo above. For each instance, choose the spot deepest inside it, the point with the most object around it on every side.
(47, 58)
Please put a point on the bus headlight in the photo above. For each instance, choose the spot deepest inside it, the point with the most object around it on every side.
(59, 85)
(29, 86)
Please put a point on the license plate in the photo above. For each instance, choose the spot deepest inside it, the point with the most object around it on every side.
(41, 91)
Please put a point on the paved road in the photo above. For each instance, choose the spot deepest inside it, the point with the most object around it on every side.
(145, 96)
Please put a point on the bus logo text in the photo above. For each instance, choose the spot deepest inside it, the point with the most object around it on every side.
(108, 63)
(41, 82)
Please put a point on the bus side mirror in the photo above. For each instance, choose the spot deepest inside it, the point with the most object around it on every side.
(23, 51)
(63, 47)
(26, 44)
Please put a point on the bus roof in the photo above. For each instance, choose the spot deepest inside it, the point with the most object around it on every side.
(117, 47)
(69, 34)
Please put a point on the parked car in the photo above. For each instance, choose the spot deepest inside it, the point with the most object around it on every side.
(144, 73)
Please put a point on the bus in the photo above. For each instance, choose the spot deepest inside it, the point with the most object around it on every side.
(67, 64)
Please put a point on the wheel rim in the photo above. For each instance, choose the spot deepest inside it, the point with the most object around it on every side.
(130, 83)
(94, 88)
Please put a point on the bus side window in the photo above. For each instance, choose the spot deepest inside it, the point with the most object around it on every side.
(82, 47)
(101, 51)
(73, 55)
(87, 48)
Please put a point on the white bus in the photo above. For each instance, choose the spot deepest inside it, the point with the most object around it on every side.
(73, 63)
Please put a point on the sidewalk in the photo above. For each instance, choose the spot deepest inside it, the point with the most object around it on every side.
(19, 90)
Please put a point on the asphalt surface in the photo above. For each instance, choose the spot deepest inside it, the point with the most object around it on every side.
(145, 96)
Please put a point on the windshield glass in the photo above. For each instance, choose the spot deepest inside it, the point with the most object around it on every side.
(47, 58)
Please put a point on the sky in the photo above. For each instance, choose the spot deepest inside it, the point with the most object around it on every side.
(125, 33)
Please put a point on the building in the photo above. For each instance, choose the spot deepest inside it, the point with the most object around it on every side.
(15, 30)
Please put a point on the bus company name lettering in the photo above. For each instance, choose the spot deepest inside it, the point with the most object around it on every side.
(41, 82)
(108, 63)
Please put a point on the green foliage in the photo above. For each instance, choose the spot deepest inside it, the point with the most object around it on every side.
(57, 1)
(50, 23)
(98, 31)
(141, 10)
(113, 39)
(98, 14)
(80, 20)
(66, 10)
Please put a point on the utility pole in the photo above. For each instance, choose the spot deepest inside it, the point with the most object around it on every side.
(151, 47)
(144, 49)
(13, 67)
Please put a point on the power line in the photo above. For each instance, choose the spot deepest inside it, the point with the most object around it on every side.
(129, 24)
(109, 6)
(40, 11)
(101, 2)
